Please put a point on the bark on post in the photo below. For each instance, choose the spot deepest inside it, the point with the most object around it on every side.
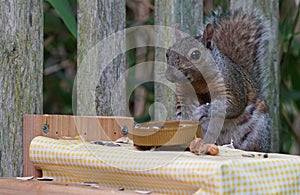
(21, 68)
(270, 10)
(188, 15)
(97, 75)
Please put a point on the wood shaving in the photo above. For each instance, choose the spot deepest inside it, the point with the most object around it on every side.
(25, 178)
(143, 192)
(123, 140)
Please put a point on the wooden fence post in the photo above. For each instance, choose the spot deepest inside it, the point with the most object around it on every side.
(188, 14)
(270, 10)
(97, 75)
(21, 70)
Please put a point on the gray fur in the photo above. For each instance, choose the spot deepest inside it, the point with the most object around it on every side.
(226, 78)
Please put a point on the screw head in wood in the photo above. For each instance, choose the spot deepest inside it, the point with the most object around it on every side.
(124, 130)
(45, 128)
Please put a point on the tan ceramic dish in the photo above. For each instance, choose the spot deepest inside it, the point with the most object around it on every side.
(166, 133)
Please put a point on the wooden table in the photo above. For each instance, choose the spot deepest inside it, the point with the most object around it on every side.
(13, 186)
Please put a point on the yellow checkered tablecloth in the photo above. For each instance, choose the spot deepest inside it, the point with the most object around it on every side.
(164, 171)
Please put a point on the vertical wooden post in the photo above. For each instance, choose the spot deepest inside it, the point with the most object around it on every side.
(21, 68)
(101, 57)
(188, 15)
(270, 10)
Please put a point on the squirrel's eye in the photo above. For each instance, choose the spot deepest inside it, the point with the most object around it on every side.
(195, 55)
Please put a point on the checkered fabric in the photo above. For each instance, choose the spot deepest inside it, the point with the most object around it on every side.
(167, 172)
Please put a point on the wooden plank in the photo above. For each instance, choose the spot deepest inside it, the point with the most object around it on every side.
(21, 76)
(58, 126)
(101, 58)
(188, 15)
(31, 125)
(13, 186)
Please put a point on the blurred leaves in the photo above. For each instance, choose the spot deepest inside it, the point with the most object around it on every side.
(291, 95)
(142, 97)
(60, 53)
(290, 75)
(63, 8)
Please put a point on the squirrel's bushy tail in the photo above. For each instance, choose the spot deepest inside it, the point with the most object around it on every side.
(242, 37)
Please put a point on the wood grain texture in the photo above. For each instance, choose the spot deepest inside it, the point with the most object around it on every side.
(88, 127)
(101, 58)
(269, 9)
(21, 71)
(188, 15)
(13, 186)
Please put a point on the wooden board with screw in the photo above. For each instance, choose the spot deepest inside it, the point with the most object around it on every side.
(90, 128)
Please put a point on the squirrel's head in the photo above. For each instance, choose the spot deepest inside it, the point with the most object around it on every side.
(188, 57)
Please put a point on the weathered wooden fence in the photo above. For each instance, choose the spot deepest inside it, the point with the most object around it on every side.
(21, 54)
(21, 75)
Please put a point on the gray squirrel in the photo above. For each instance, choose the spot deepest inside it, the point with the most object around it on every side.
(223, 67)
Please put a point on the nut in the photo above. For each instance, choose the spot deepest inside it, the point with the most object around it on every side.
(198, 147)
(212, 149)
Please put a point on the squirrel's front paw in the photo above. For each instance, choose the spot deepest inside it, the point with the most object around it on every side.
(204, 111)
(204, 116)
(200, 112)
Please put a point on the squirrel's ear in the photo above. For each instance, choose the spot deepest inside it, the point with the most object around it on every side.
(178, 32)
(208, 35)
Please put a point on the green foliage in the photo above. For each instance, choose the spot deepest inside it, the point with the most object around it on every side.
(60, 48)
(222, 4)
(63, 8)
(290, 74)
